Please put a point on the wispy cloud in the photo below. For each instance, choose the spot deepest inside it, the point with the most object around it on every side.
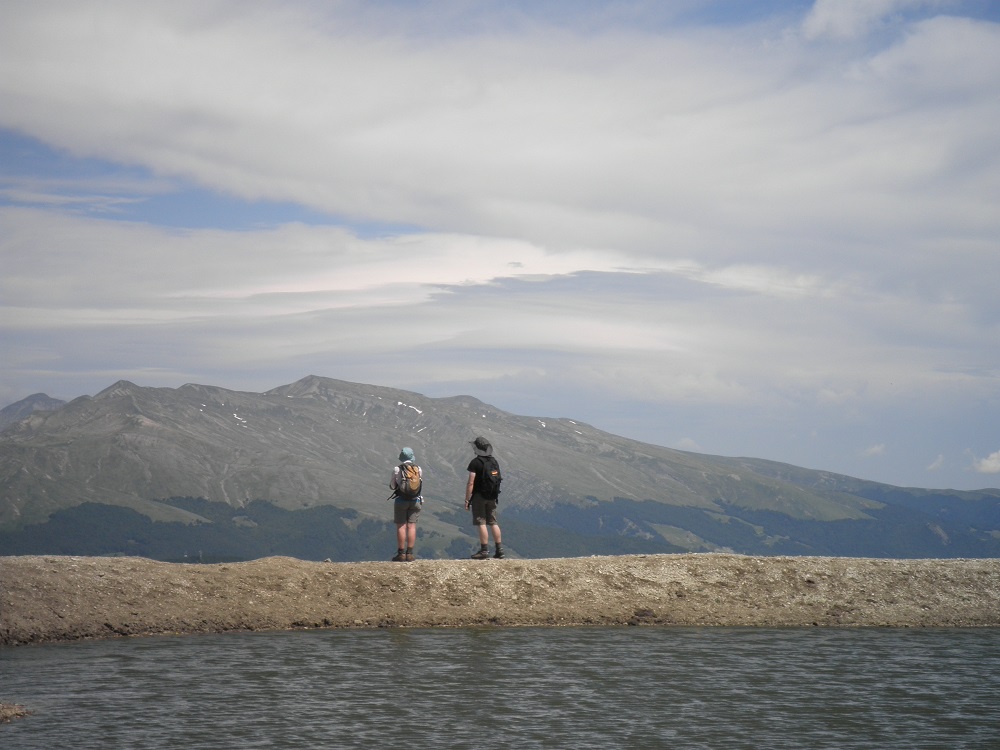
(848, 19)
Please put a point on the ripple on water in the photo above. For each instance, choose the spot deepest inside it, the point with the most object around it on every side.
(525, 688)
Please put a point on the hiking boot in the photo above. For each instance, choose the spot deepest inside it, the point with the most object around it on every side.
(481, 555)
(410, 557)
(499, 554)
(400, 557)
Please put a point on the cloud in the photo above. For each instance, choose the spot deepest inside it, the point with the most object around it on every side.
(875, 450)
(557, 136)
(937, 463)
(688, 444)
(988, 465)
(671, 330)
(288, 269)
(90, 202)
(848, 19)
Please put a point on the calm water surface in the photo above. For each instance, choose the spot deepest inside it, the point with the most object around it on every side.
(513, 688)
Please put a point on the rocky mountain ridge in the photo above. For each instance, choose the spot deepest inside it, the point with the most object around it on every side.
(321, 444)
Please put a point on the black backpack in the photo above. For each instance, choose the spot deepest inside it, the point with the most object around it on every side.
(408, 486)
(489, 480)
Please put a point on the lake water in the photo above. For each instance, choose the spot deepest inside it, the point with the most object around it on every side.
(713, 688)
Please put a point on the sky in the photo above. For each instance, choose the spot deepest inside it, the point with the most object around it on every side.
(766, 229)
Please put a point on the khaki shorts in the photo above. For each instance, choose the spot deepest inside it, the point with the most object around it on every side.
(483, 511)
(405, 511)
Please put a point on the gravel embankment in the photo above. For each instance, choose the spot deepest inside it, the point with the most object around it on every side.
(49, 598)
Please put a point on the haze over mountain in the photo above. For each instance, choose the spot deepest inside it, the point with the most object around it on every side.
(23, 408)
(303, 469)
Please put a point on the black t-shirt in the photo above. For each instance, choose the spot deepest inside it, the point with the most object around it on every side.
(477, 465)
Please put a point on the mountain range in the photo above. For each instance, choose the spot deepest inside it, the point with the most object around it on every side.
(205, 473)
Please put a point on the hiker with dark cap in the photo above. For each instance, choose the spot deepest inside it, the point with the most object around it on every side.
(481, 493)
(407, 485)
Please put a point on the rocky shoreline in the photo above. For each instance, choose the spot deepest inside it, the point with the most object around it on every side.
(49, 598)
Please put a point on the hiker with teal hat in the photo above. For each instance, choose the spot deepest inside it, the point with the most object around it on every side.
(407, 486)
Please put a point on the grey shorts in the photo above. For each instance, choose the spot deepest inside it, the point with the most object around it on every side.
(483, 511)
(405, 511)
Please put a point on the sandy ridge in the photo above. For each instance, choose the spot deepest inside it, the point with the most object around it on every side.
(50, 598)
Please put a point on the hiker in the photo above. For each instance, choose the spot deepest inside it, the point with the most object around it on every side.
(481, 493)
(407, 486)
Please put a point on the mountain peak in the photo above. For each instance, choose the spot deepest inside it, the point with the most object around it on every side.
(26, 406)
(121, 388)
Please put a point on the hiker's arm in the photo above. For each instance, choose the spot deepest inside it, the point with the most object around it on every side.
(468, 488)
